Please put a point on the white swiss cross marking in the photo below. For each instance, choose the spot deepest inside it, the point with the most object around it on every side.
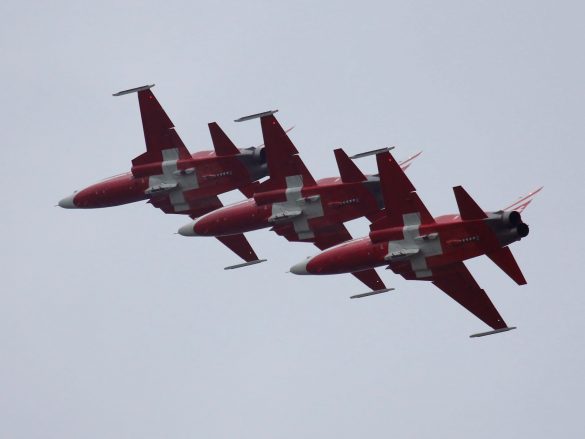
(294, 203)
(413, 241)
(171, 175)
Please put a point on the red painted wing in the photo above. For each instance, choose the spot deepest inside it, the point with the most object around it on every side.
(458, 283)
(159, 131)
(197, 207)
(221, 142)
(329, 237)
(339, 234)
(371, 279)
(249, 189)
(400, 197)
(282, 156)
(240, 246)
(236, 243)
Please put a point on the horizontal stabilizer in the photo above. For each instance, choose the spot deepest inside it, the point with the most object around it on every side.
(348, 171)
(495, 331)
(504, 259)
(372, 152)
(255, 116)
(221, 142)
(371, 293)
(133, 90)
(468, 208)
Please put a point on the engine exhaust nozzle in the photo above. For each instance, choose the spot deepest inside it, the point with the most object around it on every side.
(512, 218)
(522, 229)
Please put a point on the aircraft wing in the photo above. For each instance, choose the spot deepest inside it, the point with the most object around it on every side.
(456, 281)
(236, 243)
(249, 190)
(282, 157)
(239, 245)
(329, 237)
(402, 206)
(162, 141)
(338, 235)
(194, 208)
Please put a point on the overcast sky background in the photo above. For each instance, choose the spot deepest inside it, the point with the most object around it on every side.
(111, 326)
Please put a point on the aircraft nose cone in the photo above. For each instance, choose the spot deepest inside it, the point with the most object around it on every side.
(67, 202)
(301, 267)
(188, 230)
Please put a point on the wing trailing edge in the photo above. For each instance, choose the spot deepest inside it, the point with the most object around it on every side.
(159, 130)
(240, 246)
(400, 197)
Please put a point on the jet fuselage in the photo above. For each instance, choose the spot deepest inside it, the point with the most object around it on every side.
(415, 250)
(172, 184)
(296, 210)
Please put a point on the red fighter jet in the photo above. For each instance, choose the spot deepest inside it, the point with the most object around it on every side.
(419, 247)
(296, 206)
(174, 180)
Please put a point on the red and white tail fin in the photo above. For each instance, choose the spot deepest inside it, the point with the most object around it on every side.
(523, 202)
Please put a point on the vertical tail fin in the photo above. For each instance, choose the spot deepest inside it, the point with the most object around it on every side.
(504, 259)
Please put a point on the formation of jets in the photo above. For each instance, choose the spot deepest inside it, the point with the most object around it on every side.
(283, 196)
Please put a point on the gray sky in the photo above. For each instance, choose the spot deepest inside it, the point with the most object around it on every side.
(111, 326)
